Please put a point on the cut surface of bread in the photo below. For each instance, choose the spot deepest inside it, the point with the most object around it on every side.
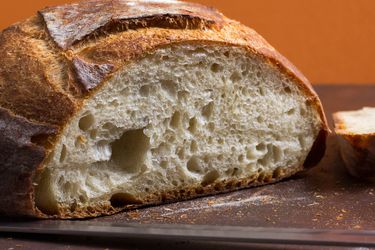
(356, 122)
(173, 103)
(185, 116)
(356, 133)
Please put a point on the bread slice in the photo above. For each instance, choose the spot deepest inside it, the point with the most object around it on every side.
(356, 133)
(111, 105)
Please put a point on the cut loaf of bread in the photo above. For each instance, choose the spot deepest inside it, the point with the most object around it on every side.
(111, 105)
(356, 134)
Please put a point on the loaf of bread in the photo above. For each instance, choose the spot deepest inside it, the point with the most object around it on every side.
(356, 135)
(109, 105)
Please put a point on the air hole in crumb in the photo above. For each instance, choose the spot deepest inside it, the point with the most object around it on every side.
(251, 154)
(226, 53)
(175, 183)
(229, 172)
(164, 164)
(181, 153)
(221, 141)
(63, 153)
(211, 127)
(109, 126)
(165, 58)
(260, 119)
(216, 68)
(291, 112)
(114, 103)
(163, 149)
(262, 92)
(61, 180)
(73, 206)
(267, 158)
(193, 123)
(172, 139)
(93, 134)
(81, 140)
(303, 112)
(208, 110)
(144, 91)
(176, 120)
(241, 158)
(236, 171)
(194, 165)
(277, 153)
(130, 150)
(210, 177)
(206, 159)
(261, 147)
(287, 90)
(169, 87)
(251, 166)
(235, 77)
(302, 141)
(182, 95)
(82, 199)
(121, 200)
(86, 122)
(66, 187)
(193, 147)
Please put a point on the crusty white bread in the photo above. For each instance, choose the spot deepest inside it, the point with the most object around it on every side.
(144, 103)
(356, 134)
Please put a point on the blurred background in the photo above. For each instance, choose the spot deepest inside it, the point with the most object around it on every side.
(331, 41)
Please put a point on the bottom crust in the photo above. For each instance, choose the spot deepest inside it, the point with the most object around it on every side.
(259, 179)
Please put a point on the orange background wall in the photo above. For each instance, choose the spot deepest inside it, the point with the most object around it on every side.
(331, 41)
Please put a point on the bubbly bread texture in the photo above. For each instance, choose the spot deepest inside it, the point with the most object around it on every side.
(204, 116)
(356, 136)
(112, 105)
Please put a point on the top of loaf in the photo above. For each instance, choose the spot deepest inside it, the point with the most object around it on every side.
(70, 23)
(53, 61)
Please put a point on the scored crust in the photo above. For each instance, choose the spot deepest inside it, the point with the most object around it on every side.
(53, 61)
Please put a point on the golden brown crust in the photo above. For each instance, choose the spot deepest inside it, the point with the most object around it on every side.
(25, 86)
(51, 63)
(70, 23)
(357, 150)
(90, 74)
